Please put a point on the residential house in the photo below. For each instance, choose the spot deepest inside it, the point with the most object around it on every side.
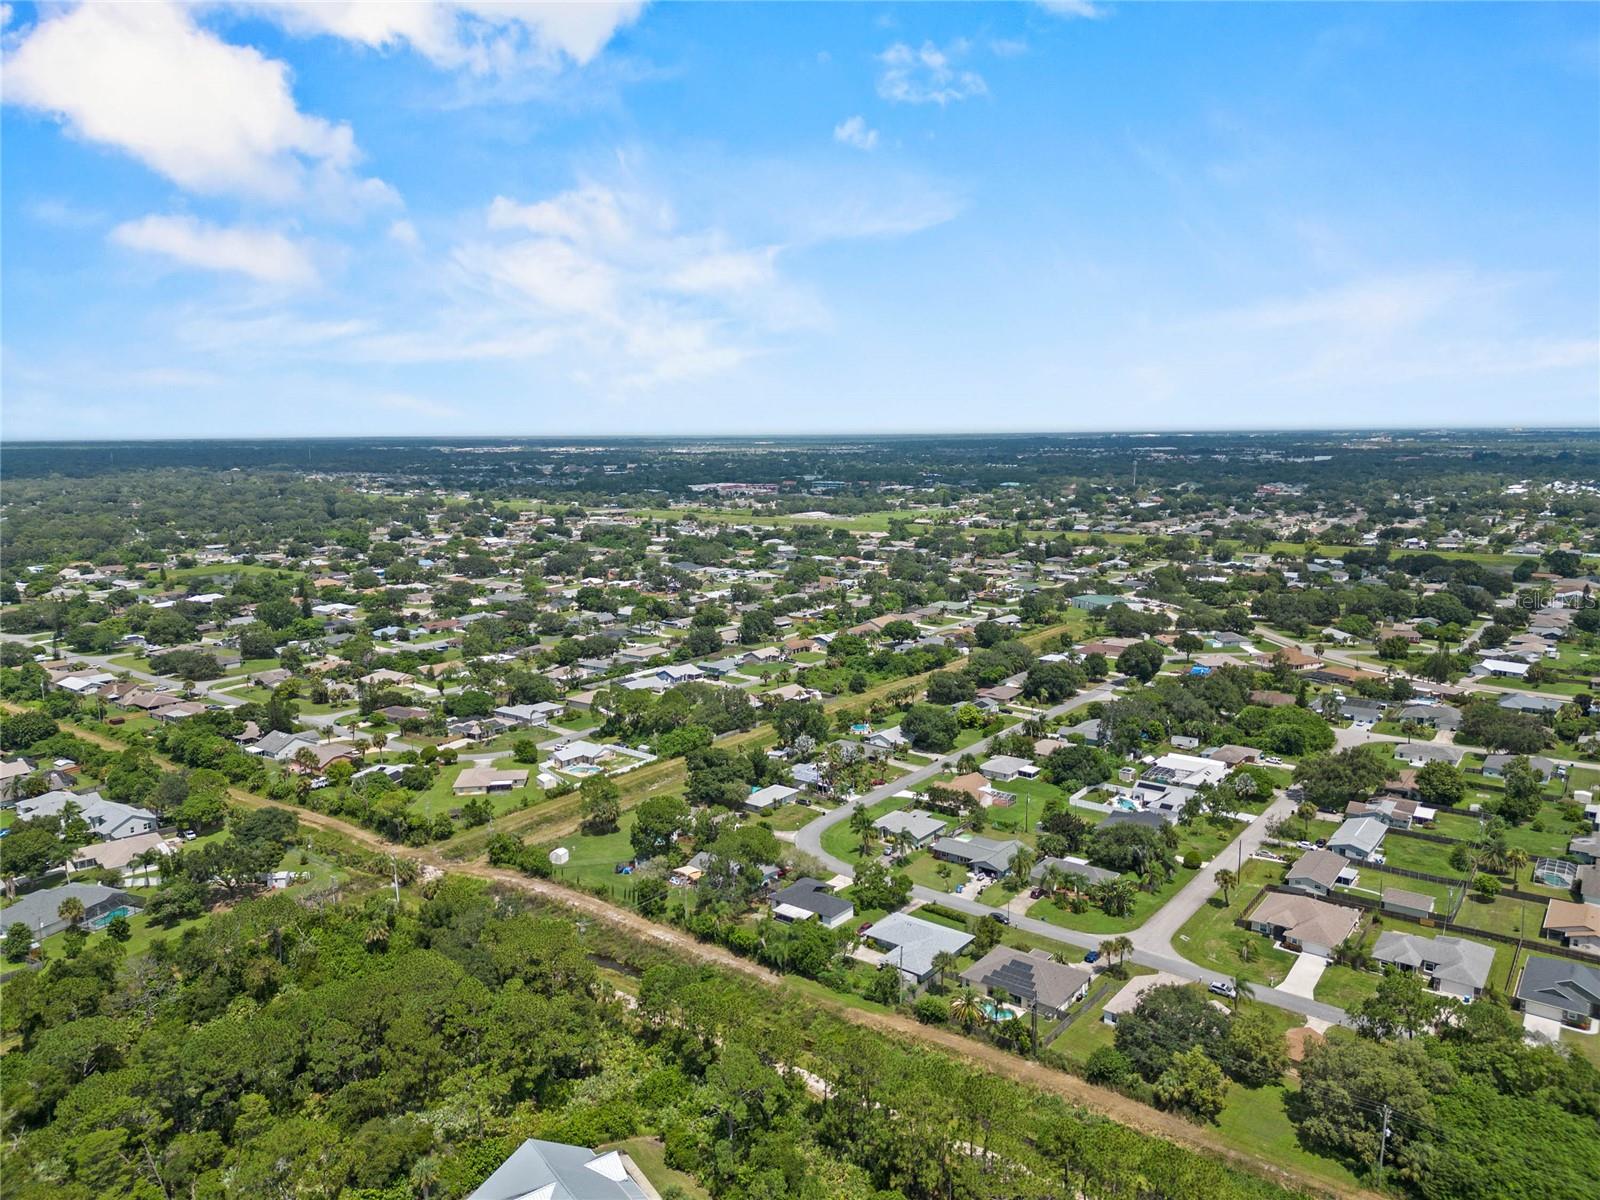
(478, 781)
(916, 826)
(1234, 756)
(39, 911)
(1032, 981)
(580, 753)
(1362, 712)
(1495, 764)
(1359, 839)
(1588, 884)
(809, 899)
(886, 741)
(120, 854)
(1535, 705)
(1420, 754)
(772, 796)
(1392, 811)
(1436, 716)
(1559, 990)
(911, 944)
(282, 747)
(1128, 997)
(1006, 767)
(539, 1170)
(1090, 873)
(528, 716)
(1303, 923)
(107, 819)
(977, 853)
(1186, 770)
(1576, 923)
(1318, 872)
(12, 773)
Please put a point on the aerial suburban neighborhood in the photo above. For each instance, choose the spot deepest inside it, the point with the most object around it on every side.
(637, 600)
(1072, 772)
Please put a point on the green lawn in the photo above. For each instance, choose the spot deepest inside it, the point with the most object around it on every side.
(1092, 920)
(1211, 939)
(1088, 1033)
(791, 817)
(1345, 987)
(441, 798)
(1415, 854)
(594, 856)
(649, 1155)
(1256, 1122)
(924, 869)
(843, 842)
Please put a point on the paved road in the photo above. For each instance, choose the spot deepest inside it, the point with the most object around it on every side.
(1152, 941)
(809, 837)
(1157, 933)
(209, 689)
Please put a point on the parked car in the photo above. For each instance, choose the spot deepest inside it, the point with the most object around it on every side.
(1223, 988)
(1003, 918)
(864, 926)
(1092, 956)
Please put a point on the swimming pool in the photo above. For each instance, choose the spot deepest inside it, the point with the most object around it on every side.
(105, 919)
(995, 1012)
(1126, 805)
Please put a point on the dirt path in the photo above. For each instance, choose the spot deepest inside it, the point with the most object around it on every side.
(978, 1054)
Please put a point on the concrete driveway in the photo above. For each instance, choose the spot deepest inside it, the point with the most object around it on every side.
(1302, 977)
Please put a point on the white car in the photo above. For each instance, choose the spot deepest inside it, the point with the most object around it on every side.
(1223, 988)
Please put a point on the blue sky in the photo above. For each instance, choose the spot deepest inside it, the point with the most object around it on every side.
(343, 219)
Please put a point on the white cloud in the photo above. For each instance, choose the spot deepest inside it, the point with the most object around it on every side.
(853, 131)
(482, 37)
(927, 75)
(613, 273)
(405, 233)
(213, 117)
(1085, 9)
(262, 254)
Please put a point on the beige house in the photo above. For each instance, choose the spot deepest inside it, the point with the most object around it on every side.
(478, 781)
(1303, 922)
(1577, 923)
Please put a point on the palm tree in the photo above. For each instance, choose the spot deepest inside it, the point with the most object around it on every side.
(1516, 859)
(425, 1175)
(1243, 990)
(965, 1009)
(944, 962)
(1227, 880)
(70, 910)
(1108, 948)
(1124, 947)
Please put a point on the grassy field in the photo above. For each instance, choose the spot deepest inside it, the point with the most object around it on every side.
(441, 798)
(1211, 939)
(594, 856)
(1415, 854)
(1255, 1121)
(1093, 920)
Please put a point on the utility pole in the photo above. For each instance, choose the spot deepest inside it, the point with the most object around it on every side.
(1383, 1143)
(394, 868)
